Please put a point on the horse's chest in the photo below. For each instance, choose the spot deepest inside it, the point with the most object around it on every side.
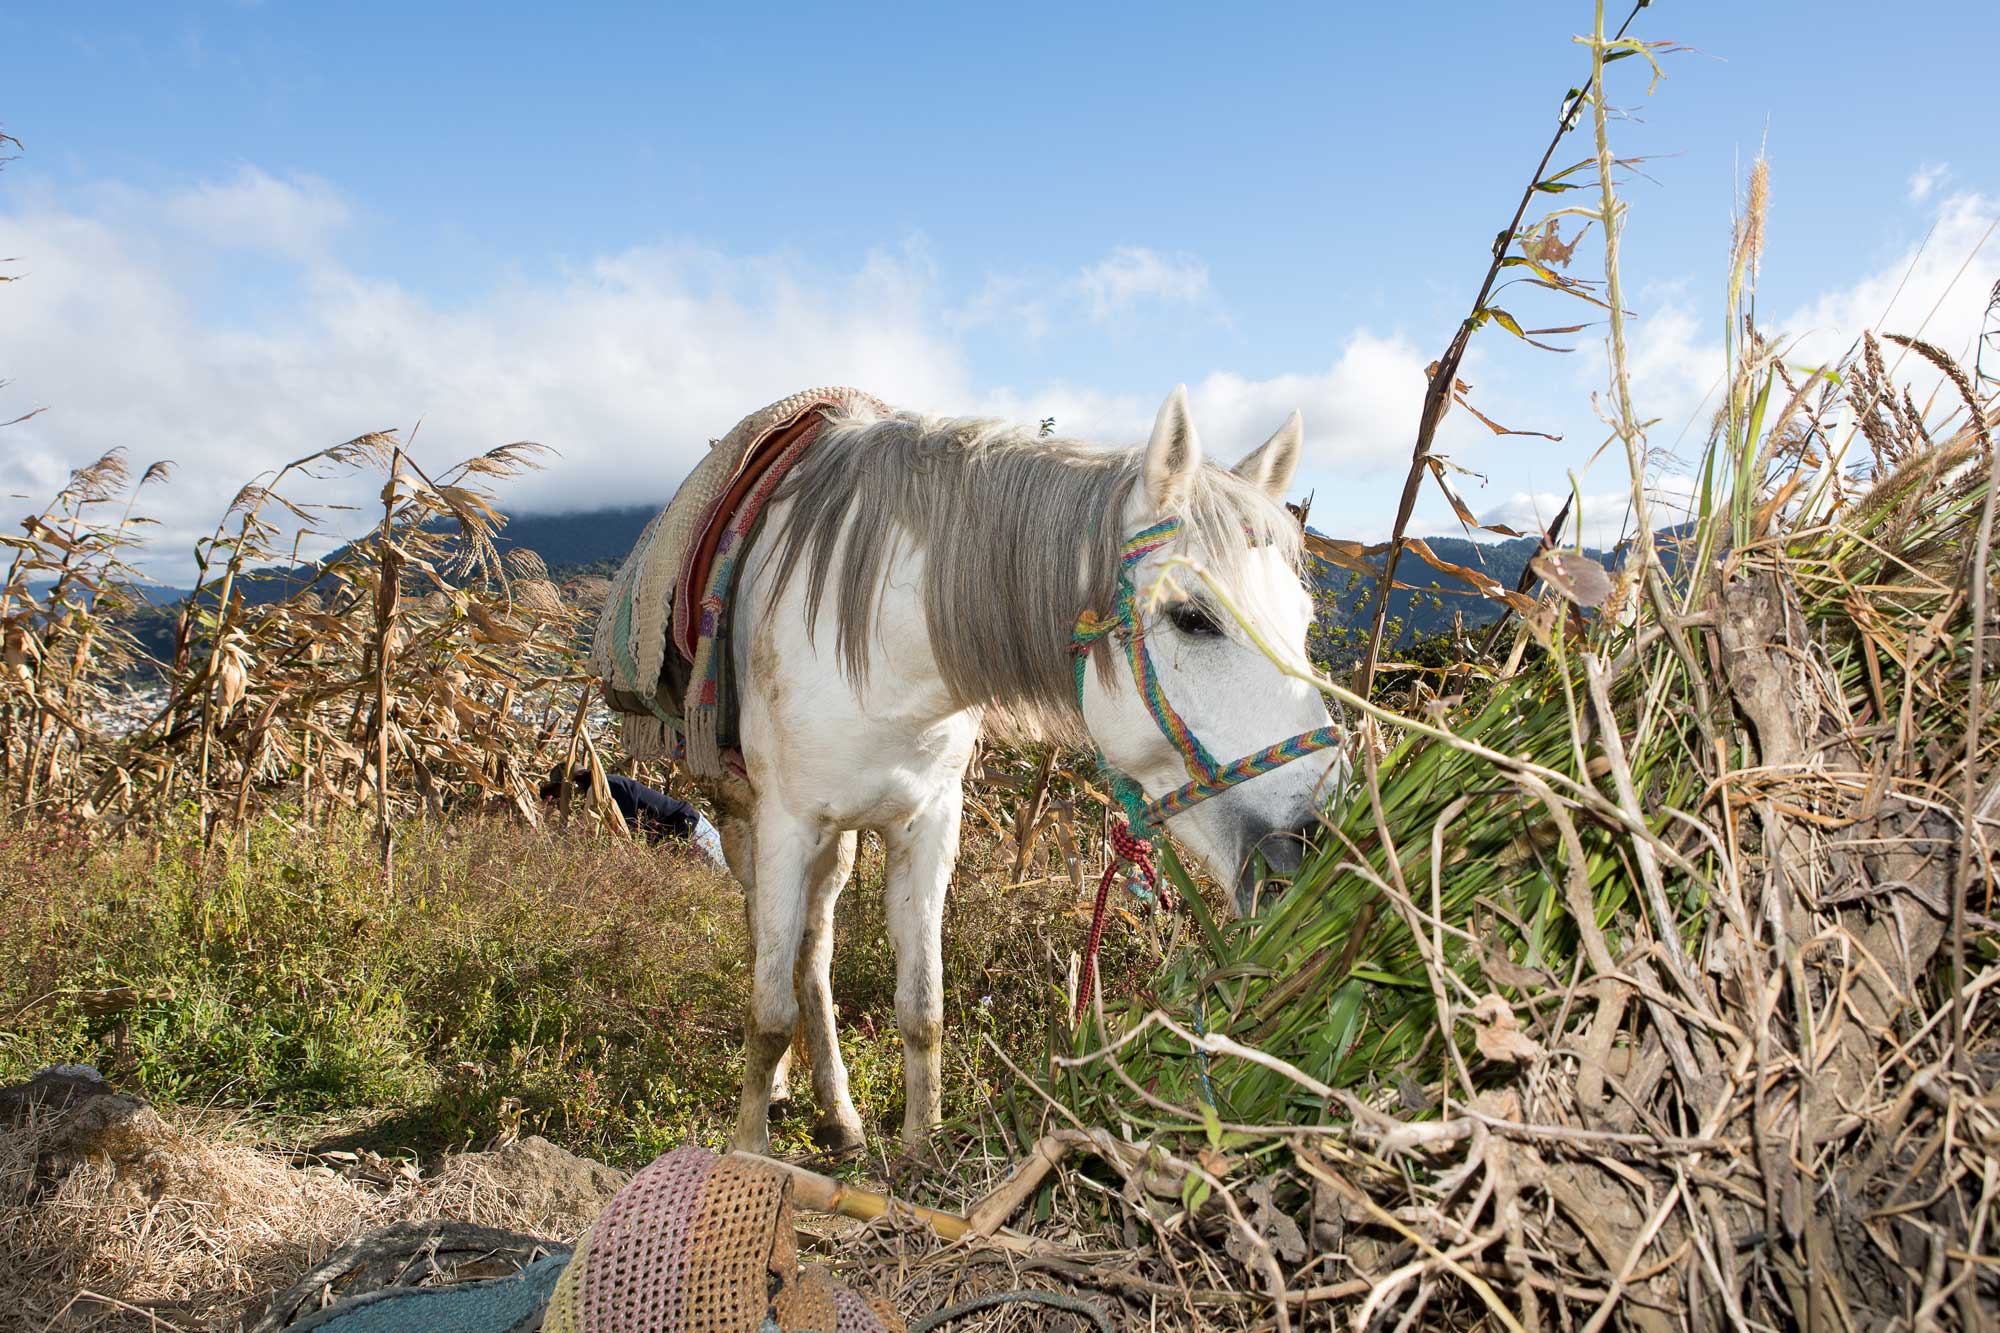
(871, 773)
(868, 754)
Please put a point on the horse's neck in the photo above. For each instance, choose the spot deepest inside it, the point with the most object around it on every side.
(903, 680)
(987, 656)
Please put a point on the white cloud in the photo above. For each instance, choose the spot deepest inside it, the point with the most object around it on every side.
(1020, 304)
(1676, 364)
(1604, 517)
(1132, 274)
(627, 366)
(1926, 179)
(255, 211)
(1938, 285)
(1128, 279)
(1360, 412)
(630, 361)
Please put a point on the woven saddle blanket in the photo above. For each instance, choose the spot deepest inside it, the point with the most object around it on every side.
(662, 643)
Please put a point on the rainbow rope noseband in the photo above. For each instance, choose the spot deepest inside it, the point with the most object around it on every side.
(1207, 778)
(1145, 820)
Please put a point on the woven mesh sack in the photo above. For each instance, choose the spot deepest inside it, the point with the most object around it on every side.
(697, 1244)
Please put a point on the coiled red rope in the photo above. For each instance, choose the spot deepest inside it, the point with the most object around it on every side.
(1127, 849)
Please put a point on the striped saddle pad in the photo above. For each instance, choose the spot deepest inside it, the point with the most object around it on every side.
(661, 647)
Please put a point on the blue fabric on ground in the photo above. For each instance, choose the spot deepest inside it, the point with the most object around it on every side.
(501, 1306)
(658, 815)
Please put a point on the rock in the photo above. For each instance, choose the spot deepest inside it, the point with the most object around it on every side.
(73, 1117)
(55, 1088)
(540, 1184)
(122, 1132)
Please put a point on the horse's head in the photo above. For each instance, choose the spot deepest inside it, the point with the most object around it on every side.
(1230, 699)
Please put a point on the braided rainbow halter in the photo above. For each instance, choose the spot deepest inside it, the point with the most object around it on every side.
(1145, 820)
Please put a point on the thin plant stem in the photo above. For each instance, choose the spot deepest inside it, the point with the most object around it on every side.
(1437, 396)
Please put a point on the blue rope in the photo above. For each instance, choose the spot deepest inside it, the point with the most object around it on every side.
(1201, 1030)
(1131, 798)
(1056, 1300)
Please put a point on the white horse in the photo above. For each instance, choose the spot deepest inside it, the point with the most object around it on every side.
(955, 557)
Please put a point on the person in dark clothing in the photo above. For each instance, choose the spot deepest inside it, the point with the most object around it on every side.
(650, 813)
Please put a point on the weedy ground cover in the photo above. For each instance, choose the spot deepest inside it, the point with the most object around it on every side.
(561, 982)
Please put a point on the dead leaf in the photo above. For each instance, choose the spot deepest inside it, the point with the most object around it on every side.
(1354, 556)
(1217, 1164)
(1269, 1221)
(1760, 522)
(1576, 577)
(1495, 963)
(1540, 622)
(19, 648)
(1486, 584)
(1498, 1033)
(1458, 506)
(1545, 246)
(235, 677)
(1460, 390)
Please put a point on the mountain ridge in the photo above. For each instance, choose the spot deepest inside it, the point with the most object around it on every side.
(594, 541)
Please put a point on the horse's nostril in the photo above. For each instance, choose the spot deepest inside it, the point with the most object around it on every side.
(1269, 863)
(1284, 852)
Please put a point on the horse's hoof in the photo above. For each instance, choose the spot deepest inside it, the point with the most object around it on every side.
(783, 1108)
(838, 1140)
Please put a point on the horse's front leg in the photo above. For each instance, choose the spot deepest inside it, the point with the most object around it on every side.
(790, 855)
(920, 858)
(739, 849)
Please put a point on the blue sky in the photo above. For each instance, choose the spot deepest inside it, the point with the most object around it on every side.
(245, 231)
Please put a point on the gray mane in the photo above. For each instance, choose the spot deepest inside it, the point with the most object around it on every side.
(1019, 534)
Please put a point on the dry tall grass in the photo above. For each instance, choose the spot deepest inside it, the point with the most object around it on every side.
(414, 671)
(184, 1222)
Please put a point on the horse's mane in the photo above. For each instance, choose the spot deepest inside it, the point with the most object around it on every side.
(1020, 534)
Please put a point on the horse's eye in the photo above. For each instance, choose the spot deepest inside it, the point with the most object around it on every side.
(1191, 618)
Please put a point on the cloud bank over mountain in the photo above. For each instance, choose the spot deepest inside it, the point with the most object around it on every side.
(220, 326)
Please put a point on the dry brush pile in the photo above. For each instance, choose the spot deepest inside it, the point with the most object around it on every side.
(1653, 978)
(1646, 978)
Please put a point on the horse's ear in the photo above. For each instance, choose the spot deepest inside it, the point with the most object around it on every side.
(1271, 464)
(1173, 455)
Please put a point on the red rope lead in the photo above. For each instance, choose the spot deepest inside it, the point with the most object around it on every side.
(1127, 850)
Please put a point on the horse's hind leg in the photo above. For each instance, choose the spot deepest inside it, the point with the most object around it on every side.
(839, 1128)
(790, 854)
(921, 855)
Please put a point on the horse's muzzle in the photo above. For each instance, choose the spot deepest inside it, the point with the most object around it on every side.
(1270, 860)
